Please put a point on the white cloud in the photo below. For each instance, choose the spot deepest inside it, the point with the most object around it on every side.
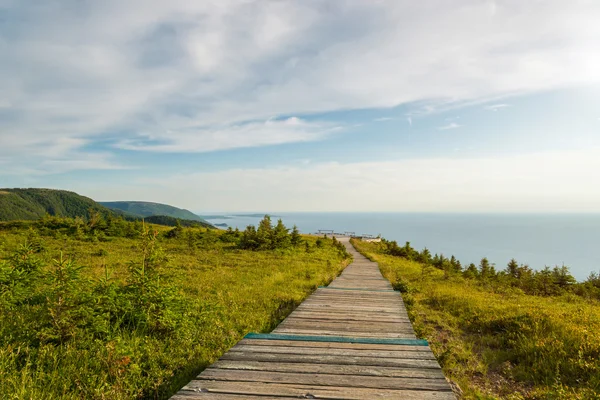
(162, 69)
(75, 161)
(382, 119)
(496, 107)
(409, 120)
(523, 183)
(451, 125)
(198, 139)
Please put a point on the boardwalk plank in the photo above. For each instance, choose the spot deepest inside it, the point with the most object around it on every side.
(332, 345)
(354, 381)
(424, 355)
(335, 369)
(328, 359)
(313, 391)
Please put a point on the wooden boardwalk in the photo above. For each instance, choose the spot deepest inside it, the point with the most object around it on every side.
(350, 340)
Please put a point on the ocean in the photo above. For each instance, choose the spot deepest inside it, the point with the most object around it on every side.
(533, 239)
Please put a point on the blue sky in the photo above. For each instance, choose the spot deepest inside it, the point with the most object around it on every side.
(466, 106)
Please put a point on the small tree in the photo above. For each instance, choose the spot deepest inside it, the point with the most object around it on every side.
(425, 256)
(65, 302)
(249, 240)
(295, 237)
(471, 271)
(230, 236)
(544, 281)
(264, 233)
(455, 263)
(562, 277)
(280, 238)
(512, 268)
(484, 268)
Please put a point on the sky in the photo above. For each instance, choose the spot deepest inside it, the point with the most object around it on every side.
(429, 106)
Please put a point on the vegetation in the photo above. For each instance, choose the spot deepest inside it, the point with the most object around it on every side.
(147, 209)
(172, 221)
(511, 334)
(104, 308)
(31, 204)
(545, 282)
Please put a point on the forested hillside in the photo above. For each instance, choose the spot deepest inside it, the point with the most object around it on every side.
(31, 204)
(147, 209)
(172, 221)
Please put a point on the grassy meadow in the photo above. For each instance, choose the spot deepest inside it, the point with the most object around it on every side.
(494, 340)
(119, 310)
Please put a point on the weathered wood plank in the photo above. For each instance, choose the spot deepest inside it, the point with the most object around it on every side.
(422, 355)
(328, 359)
(330, 369)
(408, 334)
(331, 345)
(346, 317)
(192, 395)
(373, 326)
(348, 381)
(349, 328)
(313, 391)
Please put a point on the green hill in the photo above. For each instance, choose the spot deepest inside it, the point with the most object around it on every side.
(172, 221)
(31, 204)
(148, 209)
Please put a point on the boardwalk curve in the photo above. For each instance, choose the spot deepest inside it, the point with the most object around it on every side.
(350, 340)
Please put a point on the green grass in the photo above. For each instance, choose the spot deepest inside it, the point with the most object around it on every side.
(500, 343)
(213, 295)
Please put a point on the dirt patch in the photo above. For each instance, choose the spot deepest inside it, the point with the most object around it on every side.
(3, 192)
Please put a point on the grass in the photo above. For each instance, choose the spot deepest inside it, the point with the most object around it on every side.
(500, 343)
(217, 294)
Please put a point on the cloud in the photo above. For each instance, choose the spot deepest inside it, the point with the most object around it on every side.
(496, 107)
(381, 119)
(409, 120)
(75, 161)
(451, 125)
(472, 184)
(162, 70)
(252, 134)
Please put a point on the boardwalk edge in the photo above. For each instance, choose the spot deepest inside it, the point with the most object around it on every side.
(337, 339)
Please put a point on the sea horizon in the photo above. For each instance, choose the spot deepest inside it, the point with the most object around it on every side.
(534, 239)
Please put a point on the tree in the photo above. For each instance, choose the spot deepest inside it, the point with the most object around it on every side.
(544, 281)
(594, 279)
(411, 253)
(230, 236)
(425, 256)
(175, 232)
(456, 265)
(95, 220)
(512, 268)
(562, 277)
(264, 233)
(484, 268)
(249, 240)
(437, 260)
(471, 271)
(295, 237)
(280, 238)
